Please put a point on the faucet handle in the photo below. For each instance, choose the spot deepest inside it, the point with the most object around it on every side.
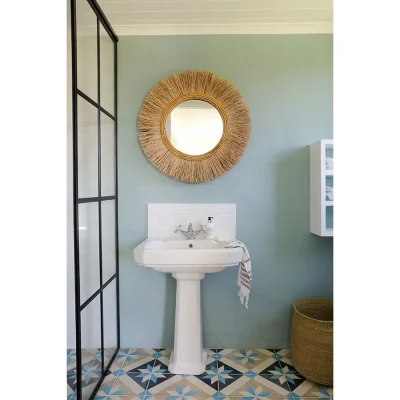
(177, 229)
(202, 228)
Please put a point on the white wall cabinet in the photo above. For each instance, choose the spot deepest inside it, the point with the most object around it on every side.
(321, 187)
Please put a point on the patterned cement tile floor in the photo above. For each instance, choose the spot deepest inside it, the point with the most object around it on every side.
(250, 374)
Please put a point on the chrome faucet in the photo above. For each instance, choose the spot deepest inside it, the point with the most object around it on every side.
(190, 234)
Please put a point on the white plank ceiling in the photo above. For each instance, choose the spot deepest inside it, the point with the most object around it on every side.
(195, 17)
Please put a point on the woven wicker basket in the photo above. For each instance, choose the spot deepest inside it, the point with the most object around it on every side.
(312, 339)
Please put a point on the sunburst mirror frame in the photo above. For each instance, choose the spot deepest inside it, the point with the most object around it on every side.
(194, 85)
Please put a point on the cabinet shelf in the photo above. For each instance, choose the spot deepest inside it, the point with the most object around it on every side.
(321, 210)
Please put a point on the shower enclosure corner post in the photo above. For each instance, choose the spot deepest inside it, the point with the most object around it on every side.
(75, 197)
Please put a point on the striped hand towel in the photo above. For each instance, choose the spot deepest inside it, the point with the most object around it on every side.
(244, 276)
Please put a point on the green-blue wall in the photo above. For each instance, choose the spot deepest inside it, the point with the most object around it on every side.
(286, 81)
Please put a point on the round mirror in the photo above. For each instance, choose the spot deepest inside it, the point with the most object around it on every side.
(194, 127)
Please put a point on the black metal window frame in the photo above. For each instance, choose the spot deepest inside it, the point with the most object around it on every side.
(101, 21)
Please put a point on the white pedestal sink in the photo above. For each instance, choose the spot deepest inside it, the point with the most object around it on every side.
(188, 261)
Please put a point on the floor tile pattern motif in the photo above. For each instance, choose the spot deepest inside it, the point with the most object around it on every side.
(249, 374)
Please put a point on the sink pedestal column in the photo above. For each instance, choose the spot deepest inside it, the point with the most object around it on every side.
(188, 356)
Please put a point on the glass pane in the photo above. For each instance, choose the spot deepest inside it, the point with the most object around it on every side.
(108, 238)
(91, 345)
(89, 249)
(86, 49)
(329, 217)
(107, 156)
(87, 149)
(329, 189)
(106, 71)
(110, 321)
(329, 157)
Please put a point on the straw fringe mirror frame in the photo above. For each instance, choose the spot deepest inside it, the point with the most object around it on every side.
(194, 85)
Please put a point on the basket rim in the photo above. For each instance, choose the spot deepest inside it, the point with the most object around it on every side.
(306, 316)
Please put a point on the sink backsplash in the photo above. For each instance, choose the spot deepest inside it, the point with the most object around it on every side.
(163, 218)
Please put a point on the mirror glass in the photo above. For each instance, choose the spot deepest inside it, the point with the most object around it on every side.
(194, 127)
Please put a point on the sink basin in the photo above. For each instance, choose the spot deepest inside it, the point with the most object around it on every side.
(188, 261)
(171, 255)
